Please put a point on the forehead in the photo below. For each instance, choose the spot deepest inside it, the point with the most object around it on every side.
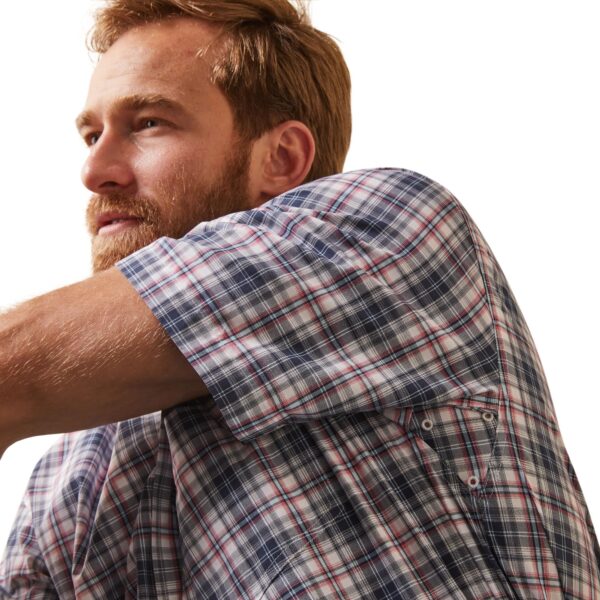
(169, 58)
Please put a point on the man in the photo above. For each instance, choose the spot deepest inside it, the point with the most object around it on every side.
(351, 403)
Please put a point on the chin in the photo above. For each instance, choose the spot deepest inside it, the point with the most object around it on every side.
(106, 253)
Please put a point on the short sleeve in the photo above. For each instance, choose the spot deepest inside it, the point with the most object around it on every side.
(354, 293)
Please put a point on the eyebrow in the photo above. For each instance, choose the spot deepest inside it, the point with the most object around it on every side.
(133, 103)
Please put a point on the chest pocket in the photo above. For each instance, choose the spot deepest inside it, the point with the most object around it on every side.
(463, 437)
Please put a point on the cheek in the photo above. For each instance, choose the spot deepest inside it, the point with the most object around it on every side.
(153, 165)
(158, 169)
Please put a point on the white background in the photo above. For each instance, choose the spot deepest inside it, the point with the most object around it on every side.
(498, 101)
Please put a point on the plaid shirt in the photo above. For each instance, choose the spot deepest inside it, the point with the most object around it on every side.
(379, 426)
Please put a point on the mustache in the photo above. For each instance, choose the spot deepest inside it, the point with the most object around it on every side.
(134, 205)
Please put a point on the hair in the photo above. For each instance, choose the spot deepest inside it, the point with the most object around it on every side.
(273, 66)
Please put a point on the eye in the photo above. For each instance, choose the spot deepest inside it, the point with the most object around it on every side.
(145, 123)
(91, 138)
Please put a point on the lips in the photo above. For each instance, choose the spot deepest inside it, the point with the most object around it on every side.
(115, 221)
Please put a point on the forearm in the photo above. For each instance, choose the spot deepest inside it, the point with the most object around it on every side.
(85, 355)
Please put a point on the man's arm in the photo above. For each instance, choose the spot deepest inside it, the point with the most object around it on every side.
(84, 355)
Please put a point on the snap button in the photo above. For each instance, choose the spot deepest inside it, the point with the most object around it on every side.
(427, 424)
(473, 481)
(488, 416)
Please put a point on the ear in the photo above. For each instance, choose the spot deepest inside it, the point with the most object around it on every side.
(282, 158)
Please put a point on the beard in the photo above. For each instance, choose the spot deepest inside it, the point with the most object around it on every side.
(180, 204)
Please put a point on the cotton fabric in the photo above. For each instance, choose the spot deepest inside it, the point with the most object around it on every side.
(379, 424)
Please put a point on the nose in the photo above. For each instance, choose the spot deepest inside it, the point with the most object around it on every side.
(108, 165)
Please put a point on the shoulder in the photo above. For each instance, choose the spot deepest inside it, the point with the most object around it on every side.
(401, 186)
(385, 208)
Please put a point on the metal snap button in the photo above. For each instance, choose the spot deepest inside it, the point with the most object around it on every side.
(427, 424)
(488, 416)
(473, 481)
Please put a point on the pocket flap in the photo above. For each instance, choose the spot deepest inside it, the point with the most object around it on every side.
(462, 436)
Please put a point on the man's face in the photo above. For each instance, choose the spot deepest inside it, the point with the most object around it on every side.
(164, 154)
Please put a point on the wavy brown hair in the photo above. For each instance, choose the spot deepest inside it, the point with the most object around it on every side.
(273, 66)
